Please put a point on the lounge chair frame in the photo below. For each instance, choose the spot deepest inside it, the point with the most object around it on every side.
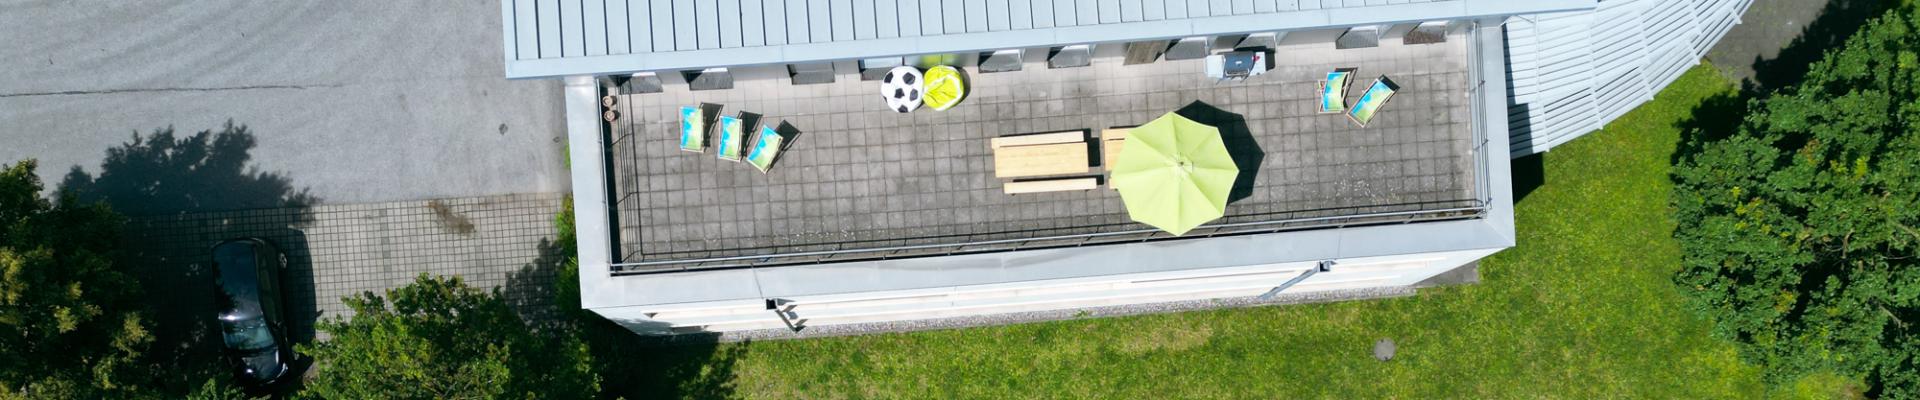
(1345, 89)
(1392, 89)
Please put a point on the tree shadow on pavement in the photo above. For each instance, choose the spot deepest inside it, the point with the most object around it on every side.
(183, 194)
(530, 291)
(1837, 21)
(162, 173)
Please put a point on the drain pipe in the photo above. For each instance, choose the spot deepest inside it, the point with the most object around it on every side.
(1323, 267)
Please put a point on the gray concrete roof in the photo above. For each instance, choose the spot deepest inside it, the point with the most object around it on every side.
(554, 38)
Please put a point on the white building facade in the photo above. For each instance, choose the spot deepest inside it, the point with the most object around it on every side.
(1539, 73)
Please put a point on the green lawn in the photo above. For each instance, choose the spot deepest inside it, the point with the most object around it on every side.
(1582, 308)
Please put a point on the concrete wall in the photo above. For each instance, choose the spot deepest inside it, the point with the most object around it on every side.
(974, 305)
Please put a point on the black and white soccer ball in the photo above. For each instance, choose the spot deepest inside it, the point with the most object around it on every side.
(902, 88)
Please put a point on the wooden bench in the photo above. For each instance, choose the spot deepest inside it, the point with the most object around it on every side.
(1110, 143)
(1051, 185)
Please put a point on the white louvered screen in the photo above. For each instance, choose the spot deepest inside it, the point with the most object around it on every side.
(1572, 73)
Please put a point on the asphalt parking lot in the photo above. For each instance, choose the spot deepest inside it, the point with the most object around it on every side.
(354, 101)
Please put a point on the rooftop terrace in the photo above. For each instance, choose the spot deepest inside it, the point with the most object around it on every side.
(862, 182)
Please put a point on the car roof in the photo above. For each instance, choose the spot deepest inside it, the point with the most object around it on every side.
(236, 263)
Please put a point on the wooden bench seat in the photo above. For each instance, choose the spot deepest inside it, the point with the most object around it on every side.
(1040, 138)
(1051, 185)
(1110, 144)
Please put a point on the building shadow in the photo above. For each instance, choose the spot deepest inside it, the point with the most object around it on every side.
(1529, 173)
(692, 366)
(182, 195)
(1519, 116)
(1239, 140)
(1837, 21)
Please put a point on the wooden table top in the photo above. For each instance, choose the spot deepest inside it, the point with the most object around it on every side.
(1040, 160)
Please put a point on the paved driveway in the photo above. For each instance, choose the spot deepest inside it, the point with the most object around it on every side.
(358, 101)
(385, 142)
(1777, 39)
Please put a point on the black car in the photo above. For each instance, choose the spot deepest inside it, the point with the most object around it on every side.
(252, 317)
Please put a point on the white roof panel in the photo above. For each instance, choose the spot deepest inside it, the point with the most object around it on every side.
(591, 37)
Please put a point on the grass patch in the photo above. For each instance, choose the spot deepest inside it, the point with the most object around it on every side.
(1584, 307)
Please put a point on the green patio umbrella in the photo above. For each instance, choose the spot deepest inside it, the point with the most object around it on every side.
(1174, 174)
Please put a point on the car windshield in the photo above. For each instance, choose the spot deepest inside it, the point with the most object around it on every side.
(247, 334)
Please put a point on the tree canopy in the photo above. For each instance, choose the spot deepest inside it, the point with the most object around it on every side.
(439, 338)
(1800, 228)
(70, 323)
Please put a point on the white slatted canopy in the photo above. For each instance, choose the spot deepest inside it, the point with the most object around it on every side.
(546, 38)
(1573, 72)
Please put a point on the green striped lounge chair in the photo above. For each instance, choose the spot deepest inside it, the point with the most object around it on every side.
(766, 149)
(1333, 91)
(731, 138)
(693, 129)
(1370, 102)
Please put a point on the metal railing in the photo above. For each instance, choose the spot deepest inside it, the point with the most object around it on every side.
(1476, 95)
(1476, 209)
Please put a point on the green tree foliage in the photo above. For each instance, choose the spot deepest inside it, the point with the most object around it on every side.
(600, 336)
(70, 323)
(219, 388)
(1800, 229)
(439, 338)
(566, 280)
